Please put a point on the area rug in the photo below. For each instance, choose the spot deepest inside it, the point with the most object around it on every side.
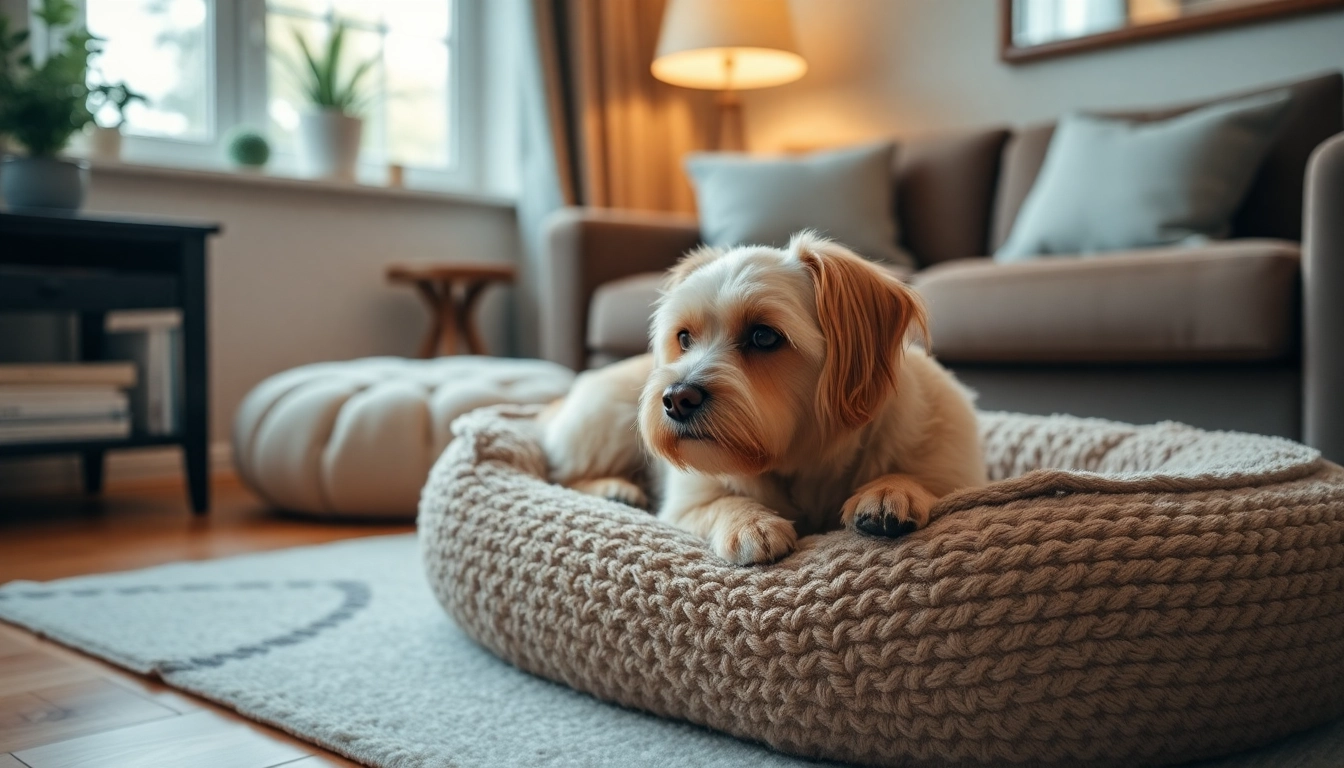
(343, 645)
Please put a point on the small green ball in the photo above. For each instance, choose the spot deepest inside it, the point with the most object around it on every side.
(250, 149)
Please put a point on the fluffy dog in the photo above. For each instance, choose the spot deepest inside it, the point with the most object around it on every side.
(780, 399)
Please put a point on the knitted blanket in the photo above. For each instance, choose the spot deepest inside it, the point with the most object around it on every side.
(1120, 595)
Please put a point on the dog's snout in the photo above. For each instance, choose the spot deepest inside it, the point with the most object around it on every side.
(681, 401)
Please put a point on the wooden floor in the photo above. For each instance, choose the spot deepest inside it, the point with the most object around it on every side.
(62, 709)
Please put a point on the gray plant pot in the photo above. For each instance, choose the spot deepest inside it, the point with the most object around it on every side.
(43, 183)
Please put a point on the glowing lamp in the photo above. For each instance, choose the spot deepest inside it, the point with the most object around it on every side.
(727, 46)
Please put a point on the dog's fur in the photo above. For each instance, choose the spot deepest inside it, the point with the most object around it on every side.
(839, 424)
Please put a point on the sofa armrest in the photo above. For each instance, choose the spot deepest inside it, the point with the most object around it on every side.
(1323, 301)
(586, 247)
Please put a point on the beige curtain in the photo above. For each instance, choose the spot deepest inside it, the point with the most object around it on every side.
(619, 134)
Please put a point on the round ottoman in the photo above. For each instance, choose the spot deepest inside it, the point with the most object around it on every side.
(358, 437)
(1118, 595)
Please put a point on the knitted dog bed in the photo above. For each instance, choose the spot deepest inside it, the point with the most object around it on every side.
(1122, 595)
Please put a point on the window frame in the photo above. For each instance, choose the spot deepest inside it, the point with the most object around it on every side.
(240, 93)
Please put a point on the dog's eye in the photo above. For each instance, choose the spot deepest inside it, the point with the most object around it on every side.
(684, 339)
(764, 338)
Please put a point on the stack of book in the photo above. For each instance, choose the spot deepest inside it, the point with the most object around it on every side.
(151, 339)
(65, 401)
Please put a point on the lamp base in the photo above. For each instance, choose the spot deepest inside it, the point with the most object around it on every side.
(728, 132)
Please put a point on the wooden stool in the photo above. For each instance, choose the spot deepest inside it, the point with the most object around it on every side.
(451, 290)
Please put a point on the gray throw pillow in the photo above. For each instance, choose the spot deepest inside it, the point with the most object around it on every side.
(844, 194)
(1111, 184)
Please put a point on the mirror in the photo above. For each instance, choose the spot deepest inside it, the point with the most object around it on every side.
(1037, 29)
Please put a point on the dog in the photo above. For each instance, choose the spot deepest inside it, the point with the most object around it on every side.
(781, 398)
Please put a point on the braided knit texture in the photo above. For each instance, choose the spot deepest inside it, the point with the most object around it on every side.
(1119, 595)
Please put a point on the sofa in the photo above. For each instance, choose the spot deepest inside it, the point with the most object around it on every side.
(1245, 333)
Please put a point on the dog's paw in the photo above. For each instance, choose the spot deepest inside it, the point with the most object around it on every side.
(891, 506)
(615, 489)
(755, 536)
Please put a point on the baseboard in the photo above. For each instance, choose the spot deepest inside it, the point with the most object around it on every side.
(60, 474)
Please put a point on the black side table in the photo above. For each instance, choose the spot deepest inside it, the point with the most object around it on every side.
(91, 265)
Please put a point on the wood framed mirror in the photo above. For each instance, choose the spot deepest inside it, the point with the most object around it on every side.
(1030, 30)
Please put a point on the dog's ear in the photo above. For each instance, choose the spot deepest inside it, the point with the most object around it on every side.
(693, 260)
(864, 313)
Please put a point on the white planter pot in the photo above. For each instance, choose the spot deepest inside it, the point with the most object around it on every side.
(329, 145)
(43, 183)
(105, 144)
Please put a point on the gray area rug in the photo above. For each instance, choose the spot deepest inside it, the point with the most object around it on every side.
(343, 645)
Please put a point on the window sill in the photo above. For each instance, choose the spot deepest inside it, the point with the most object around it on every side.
(277, 181)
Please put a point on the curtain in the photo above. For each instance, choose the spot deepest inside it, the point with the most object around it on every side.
(546, 180)
(597, 128)
(620, 133)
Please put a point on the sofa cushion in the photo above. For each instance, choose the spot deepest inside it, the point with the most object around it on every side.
(843, 193)
(1023, 156)
(1111, 184)
(1273, 205)
(1228, 301)
(618, 317)
(945, 193)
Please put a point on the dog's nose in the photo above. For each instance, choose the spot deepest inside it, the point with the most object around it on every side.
(681, 401)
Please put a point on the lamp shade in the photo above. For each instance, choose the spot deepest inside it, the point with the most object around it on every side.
(727, 45)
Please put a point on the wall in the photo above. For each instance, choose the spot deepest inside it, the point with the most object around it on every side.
(884, 67)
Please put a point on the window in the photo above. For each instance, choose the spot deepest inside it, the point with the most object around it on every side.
(162, 48)
(408, 118)
(208, 67)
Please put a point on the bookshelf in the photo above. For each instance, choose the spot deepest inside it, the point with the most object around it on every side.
(89, 265)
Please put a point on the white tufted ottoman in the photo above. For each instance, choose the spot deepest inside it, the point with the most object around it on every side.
(358, 437)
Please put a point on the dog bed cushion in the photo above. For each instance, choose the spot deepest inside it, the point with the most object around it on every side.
(357, 437)
(1120, 595)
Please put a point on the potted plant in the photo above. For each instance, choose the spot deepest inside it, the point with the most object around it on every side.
(105, 140)
(249, 150)
(41, 107)
(330, 132)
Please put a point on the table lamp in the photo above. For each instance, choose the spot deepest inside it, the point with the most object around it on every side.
(727, 46)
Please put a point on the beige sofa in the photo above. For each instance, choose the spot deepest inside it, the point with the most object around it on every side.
(1244, 334)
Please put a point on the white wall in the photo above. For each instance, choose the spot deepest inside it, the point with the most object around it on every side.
(883, 67)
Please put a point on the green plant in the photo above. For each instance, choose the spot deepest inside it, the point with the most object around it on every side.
(42, 105)
(118, 95)
(320, 76)
(249, 149)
